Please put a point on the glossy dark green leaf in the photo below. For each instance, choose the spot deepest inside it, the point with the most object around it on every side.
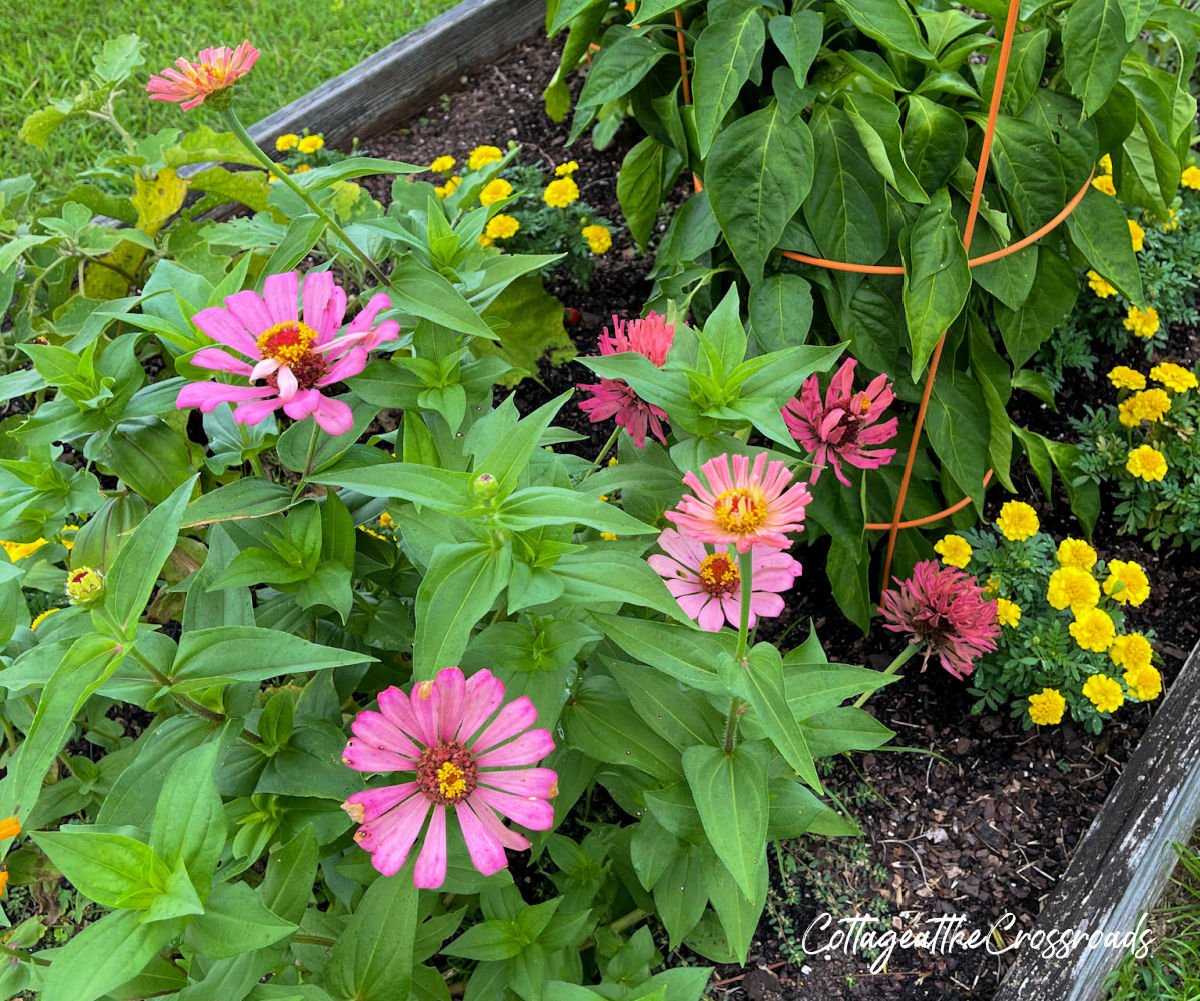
(1096, 229)
(1094, 43)
(1054, 292)
(373, 960)
(934, 141)
(725, 54)
(889, 22)
(763, 682)
(937, 278)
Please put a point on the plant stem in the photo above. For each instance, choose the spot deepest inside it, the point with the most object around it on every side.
(239, 130)
(632, 918)
(735, 706)
(308, 461)
(314, 940)
(745, 571)
(602, 453)
(23, 956)
(900, 660)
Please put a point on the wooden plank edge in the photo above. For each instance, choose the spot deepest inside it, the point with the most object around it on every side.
(401, 78)
(1125, 858)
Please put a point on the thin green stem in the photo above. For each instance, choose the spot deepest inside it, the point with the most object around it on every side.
(612, 438)
(239, 130)
(309, 456)
(329, 943)
(23, 956)
(632, 918)
(745, 571)
(900, 660)
(735, 710)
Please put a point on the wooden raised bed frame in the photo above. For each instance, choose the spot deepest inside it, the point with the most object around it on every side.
(1124, 860)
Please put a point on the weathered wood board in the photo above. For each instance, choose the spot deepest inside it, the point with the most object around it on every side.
(386, 88)
(1124, 860)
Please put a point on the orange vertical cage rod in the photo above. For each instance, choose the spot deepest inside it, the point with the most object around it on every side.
(893, 527)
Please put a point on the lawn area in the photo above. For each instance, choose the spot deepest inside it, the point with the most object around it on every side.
(303, 42)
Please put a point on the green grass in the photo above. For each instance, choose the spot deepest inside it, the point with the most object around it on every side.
(1172, 970)
(50, 44)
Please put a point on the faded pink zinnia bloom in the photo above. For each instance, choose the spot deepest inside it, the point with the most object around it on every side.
(441, 734)
(295, 352)
(708, 586)
(842, 428)
(215, 70)
(944, 609)
(748, 506)
(651, 337)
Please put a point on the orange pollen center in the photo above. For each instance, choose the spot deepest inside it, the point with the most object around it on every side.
(864, 405)
(719, 575)
(287, 343)
(740, 511)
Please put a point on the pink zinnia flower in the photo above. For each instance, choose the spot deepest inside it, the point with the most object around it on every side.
(839, 429)
(945, 610)
(708, 586)
(651, 337)
(295, 353)
(749, 507)
(439, 734)
(216, 70)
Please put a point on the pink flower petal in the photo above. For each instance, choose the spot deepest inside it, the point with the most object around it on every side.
(452, 688)
(527, 749)
(539, 782)
(485, 849)
(374, 803)
(286, 380)
(518, 715)
(305, 402)
(254, 413)
(506, 836)
(219, 361)
(365, 757)
(483, 696)
(375, 729)
(390, 842)
(712, 615)
(430, 871)
(221, 325)
(210, 395)
(334, 416)
(280, 293)
(251, 312)
(535, 814)
(396, 708)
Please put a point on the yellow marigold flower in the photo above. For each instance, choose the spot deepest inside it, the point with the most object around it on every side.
(1141, 322)
(1071, 587)
(43, 617)
(1190, 178)
(560, 193)
(1127, 583)
(598, 238)
(1137, 235)
(310, 144)
(1008, 613)
(287, 142)
(1106, 163)
(386, 520)
(485, 240)
(84, 585)
(1093, 629)
(1131, 651)
(1145, 683)
(495, 190)
(501, 227)
(447, 189)
(954, 550)
(566, 169)
(1175, 377)
(481, 156)
(1104, 693)
(1076, 553)
(1046, 707)
(1104, 183)
(371, 532)
(1127, 413)
(608, 536)
(1147, 463)
(304, 168)
(991, 588)
(443, 165)
(10, 827)
(1150, 404)
(19, 550)
(1017, 521)
(1172, 222)
(1098, 285)
(1124, 377)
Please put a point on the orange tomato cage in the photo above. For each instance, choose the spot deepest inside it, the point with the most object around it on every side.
(893, 527)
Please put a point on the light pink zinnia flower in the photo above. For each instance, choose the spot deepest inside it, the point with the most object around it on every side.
(439, 733)
(944, 609)
(708, 586)
(296, 353)
(651, 337)
(750, 507)
(838, 430)
(216, 70)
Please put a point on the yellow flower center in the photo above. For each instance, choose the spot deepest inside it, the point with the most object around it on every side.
(452, 781)
(740, 511)
(719, 575)
(286, 343)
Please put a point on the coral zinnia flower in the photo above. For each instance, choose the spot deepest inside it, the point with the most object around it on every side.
(651, 337)
(438, 732)
(708, 586)
(838, 430)
(295, 352)
(945, 610)
(214, 73)
(752, 506)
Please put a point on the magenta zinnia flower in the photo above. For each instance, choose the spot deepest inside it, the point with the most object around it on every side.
(708, 586)
(944, 609)
(215, 71)
(295, 353)
(439, 734)
(651, 337)
(839, 429)
(749, 507)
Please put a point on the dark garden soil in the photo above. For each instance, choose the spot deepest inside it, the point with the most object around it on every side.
(965, 815)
